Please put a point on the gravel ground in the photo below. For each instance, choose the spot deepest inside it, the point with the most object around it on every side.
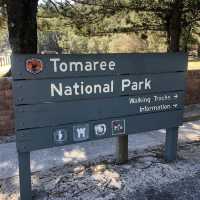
(145, 177)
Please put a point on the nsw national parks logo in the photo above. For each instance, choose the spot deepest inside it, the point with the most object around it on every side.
(34, 66)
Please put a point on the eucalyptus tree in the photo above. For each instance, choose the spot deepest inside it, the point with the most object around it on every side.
(95, 17)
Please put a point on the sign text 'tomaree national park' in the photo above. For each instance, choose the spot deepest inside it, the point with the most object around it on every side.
(64, 99)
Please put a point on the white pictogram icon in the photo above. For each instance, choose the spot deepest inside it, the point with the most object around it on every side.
(100, 129)
(176, 96)
(81, 132)
(60, 135)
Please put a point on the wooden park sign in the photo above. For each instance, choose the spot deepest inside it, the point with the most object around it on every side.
(67, 99)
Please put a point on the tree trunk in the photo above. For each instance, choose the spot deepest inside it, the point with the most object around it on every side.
(22, 25)
(174, 27)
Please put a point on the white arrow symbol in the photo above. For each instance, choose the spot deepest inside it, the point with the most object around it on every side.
(176, 96)
(175, 105)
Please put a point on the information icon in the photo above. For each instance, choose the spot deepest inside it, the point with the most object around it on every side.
(118, 127)
(60, 136)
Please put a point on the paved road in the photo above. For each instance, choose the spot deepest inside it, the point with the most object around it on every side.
(48, 158)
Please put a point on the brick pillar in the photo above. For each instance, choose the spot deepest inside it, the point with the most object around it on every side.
(6, 108)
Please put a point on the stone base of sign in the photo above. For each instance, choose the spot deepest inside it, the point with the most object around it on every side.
(6, 108)
(193, 87)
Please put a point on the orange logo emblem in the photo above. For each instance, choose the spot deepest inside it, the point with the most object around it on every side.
(34, 66)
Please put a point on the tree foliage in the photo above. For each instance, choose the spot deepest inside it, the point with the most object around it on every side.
(95, 17)
(93, 25)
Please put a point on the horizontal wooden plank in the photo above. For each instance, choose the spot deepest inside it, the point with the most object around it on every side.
(34, 139)
(38, 91)
(53, 114)
(97, 64)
